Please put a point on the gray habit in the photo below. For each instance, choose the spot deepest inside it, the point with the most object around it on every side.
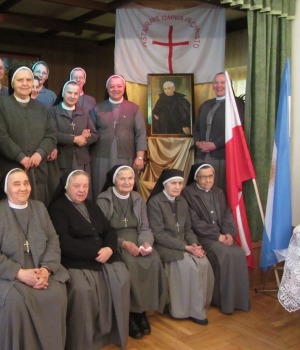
(30, 319)
(122, 133)
(190, 279)
(93, 295)
(211, 216)
(148, 279)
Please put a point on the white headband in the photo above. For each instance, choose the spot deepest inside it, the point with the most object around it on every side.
(173, 178)
(17, 70)
(202, 166)
(81, 172)
(115, 76)
(77, 68)
(66, 84)
(7, 175)
(117, 171)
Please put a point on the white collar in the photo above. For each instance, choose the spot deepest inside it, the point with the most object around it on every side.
(26, 100)
(116, 102)
(202, 189)
(116, 193)
(172, 199)
(67, 108)
(17, 206)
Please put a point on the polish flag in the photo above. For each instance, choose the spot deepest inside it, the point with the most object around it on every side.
(239, 168)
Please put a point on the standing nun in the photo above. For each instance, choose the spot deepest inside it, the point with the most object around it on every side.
(27, 135)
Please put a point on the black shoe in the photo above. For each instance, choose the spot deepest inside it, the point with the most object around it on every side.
(143, 323)
(201, 322)
(134, 330)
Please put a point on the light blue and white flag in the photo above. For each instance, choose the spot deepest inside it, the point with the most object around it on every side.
(278, 218)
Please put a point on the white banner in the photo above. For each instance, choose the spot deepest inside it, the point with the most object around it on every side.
(150, 41)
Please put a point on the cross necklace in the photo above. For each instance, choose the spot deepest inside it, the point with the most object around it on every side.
(124, 212)
(25, 232)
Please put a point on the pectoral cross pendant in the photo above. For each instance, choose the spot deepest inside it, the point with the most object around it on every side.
(73, 125)
(177, 225)
(26, 244)
(125, 222)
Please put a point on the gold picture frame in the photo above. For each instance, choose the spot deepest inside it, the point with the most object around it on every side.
(170, 108)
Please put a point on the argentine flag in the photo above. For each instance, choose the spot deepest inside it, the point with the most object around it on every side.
(278, 218)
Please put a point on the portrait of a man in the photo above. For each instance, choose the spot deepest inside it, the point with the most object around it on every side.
(172, 111)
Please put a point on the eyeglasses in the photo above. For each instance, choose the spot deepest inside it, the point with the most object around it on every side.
(206, 177)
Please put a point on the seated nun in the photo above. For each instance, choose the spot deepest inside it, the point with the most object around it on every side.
(213, 223)
(127, 213)
(98, 291)
(33, 297)
(190, 276)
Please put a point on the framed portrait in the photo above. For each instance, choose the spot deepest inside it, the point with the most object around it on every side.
(12, 60)
(170, 104)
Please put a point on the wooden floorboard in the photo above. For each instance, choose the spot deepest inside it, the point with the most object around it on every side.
(266, 326)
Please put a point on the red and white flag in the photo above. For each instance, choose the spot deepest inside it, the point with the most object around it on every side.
(239, 168)
(165, 42)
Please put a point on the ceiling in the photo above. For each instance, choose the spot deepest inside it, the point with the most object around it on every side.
(86, 19)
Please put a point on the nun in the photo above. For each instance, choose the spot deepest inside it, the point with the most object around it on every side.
(27, 135)
(190, 276)
(33, 296)
(127, 213)
(75, 130)
(98, 291)
(213, 223)
(86, 102)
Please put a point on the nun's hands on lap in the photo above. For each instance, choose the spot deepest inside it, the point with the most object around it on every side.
(131, 248)
(195, 250)
(146, 249)
(35, 278)
(104, 254)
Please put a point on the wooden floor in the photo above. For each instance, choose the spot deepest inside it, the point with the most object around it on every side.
(266, 326)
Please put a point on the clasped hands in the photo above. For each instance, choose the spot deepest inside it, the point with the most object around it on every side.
(195, 250)
(35, 278)
(33, 161)
(133, 249)
(81, 140)
(206, 146)
(226, 239)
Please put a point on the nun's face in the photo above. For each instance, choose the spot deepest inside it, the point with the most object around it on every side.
(78, 188)
(71, 94)
(205, 178)
(35, 89)
(41, 71)
(18, 188)
(173, 187)
(79, 76)
(124, 181)
(22, 84)
(116, 88)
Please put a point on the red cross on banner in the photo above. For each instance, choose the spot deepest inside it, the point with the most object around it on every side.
(170, 44)
(176, 41)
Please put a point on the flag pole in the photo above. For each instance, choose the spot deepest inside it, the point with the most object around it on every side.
(258, 201)
(274, 267)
